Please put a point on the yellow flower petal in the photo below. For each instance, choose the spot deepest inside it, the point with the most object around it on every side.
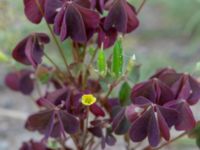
(88, 99)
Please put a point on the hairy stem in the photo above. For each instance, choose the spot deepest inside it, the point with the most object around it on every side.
(141, 6)
(171, 141)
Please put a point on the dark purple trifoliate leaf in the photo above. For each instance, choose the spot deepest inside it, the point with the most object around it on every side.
(33, 10)
(122, 16)
(118, 114)
(169, 114)
(164, 128)
(20, 81)
(53, 122)
(133, 112)
(57, 96)
(168, 76)
(97, 110)
(74, 20)
(185, 120)
(164, 99)
(142, 101)
(184, 86)
(70, 123)
(84, 3)
(133, 21)
(74, 105)
(94, 86)
(96, 131)
(30, 50)
(138, 130)
(107, 38)
(153, 131)
(163, 71)
(146, 126)
(188, 88)
(33, 145)
(69, 98)
(120, 124)
(112, 102)
(51, 9)
(38, 121)
(123, 127)
(107, 139)
(98, 4)
(154, 123)
(110, 139)
(166, 118)
(154, 90)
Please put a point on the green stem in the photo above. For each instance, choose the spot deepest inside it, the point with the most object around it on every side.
(93, 56)
(50, 60)
(115, 84)
(55, 40)
(86, 129)
(85, 74)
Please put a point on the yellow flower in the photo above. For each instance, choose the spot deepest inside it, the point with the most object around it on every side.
(88, 99)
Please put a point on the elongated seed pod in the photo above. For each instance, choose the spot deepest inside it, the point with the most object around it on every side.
(117, 61)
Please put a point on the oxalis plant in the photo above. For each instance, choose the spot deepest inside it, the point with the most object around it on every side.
(96, 99)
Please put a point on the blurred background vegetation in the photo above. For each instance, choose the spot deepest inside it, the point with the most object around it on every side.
(169, 35)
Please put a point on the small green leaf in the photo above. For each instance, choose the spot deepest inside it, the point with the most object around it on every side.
(101, 63)
(43, 74)
(3, 57)
(53, 144)
(117, 62)
(44, 78)
(91, 50)
(194, 133)
(124, 93)
(77, 68)
(134, 74)
(198, 141)
(131, 63)
(123, 125)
